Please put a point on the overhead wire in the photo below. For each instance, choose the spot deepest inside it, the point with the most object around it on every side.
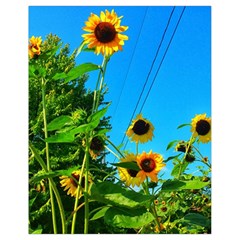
(155, 76)
(150, 70)
(130, 63)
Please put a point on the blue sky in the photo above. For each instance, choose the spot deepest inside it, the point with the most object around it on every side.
(182, 87)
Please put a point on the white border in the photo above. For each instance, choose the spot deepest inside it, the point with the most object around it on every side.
(14, 117)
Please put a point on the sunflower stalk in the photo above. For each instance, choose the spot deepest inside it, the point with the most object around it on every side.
(55, 190)
(43, 85)
(99, 84)
(77, 196)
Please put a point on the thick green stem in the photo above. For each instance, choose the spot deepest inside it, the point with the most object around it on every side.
(77, 196)
(47, 156)
(60, 205)
(99, 84)
(86, 192)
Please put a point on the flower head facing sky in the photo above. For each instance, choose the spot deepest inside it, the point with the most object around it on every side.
(34, 46)
(104, 33)
(201, 128)
(150, 164)
(141, 130)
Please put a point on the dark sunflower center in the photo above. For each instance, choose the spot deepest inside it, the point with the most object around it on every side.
(96, 144)
(203, 127)
(132, 173)
(140, 127)
(105, 32)
(148, 165)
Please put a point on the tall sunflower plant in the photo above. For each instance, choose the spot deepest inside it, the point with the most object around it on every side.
(137, 200)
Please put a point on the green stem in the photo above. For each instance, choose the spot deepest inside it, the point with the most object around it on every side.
(47, 156)
(202, 157)
(188, 146)
(152, 205)
(154, 212)
(60, 205)
(86, 193)
(100, 83)
(77, 196)
(109, 141)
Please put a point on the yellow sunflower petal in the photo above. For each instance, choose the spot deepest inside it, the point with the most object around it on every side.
(105, 32)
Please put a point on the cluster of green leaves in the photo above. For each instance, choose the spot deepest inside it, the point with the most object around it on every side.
(68, 107)
(181, 204)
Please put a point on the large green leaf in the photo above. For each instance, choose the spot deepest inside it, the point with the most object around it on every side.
(59, 122)
(65, 172)
(63, 137)
(76, 72)
(99, 213)
(128, 218)
(177, 185)
(69, 136)
(196, 218)
(110, 193)
(129, 165)
(98, 115)
(179, 169)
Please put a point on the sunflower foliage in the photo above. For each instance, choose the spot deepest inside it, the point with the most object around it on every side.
(72, 188)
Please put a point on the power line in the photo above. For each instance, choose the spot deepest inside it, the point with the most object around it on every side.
(163, 58)
(149, 73)
(133, 53)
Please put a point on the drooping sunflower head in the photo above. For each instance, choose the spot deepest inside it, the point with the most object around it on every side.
(150, 164)
(182, 146)
(129, 176)
(34, 48)
(105, 33)
(141, 130)
(96, 147)
(201, 128)
(71, 183)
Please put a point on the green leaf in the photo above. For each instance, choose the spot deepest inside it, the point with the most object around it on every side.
(76, 72)
(178, 169)
(196, 218)
(172, 157)
(65, 172)
(110, 193)
(171, 144)
(80, 70)
(183, 125)
(128, 165)
(177, 185)
(36, 231)
(79, 49)
(58, 76)
(128, 218)
(99, 214)
(98, 115)
(59, 122)
(63, 137)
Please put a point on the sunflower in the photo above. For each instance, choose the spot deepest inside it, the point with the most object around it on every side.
(70, 183)
(141, 130)
(201, 127)
(128, 175)
(105, 33)
(182, 146)
(34, 46)
(96, 147)
(150, 164)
